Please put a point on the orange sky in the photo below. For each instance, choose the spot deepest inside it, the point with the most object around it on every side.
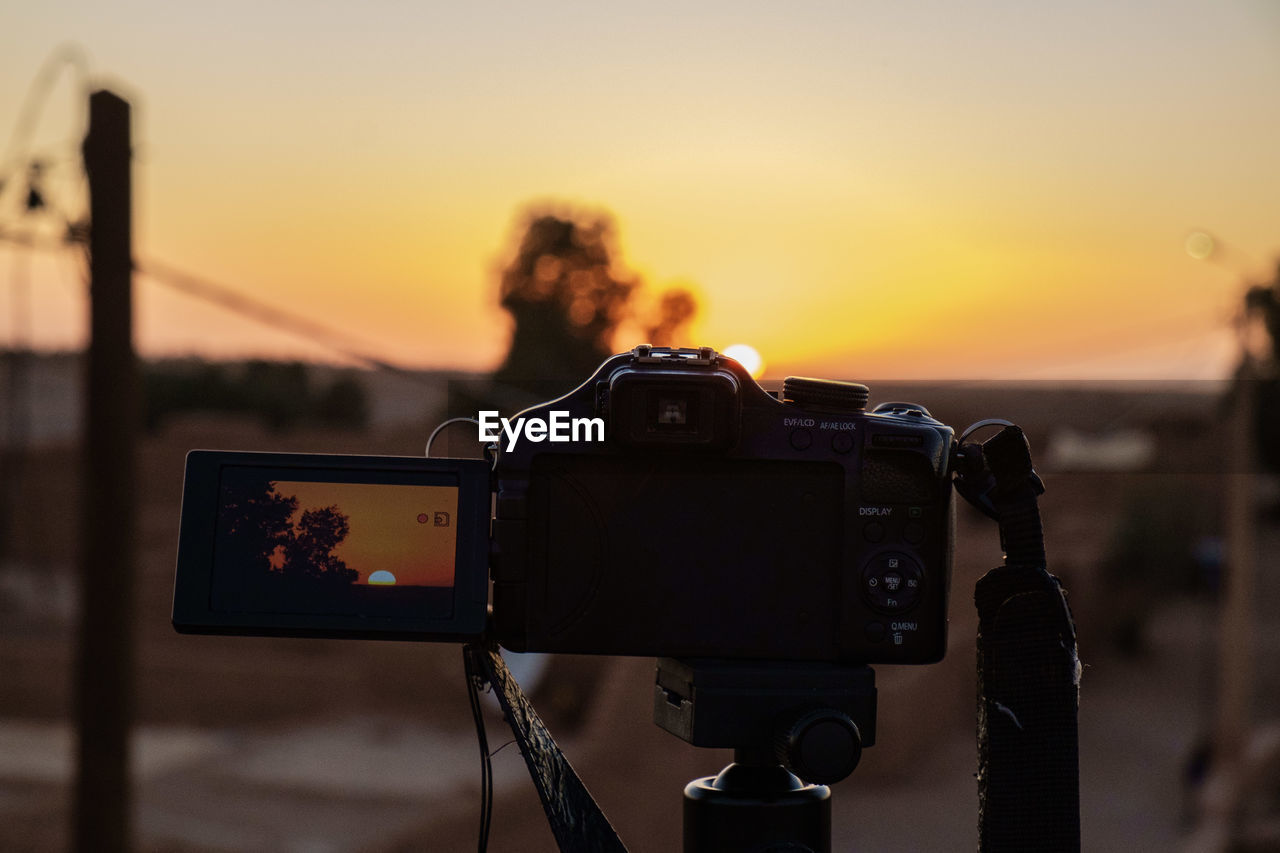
(385, 531)
(939, 190)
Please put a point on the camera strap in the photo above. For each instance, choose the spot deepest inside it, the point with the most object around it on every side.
(575, 818)
(1028, 668)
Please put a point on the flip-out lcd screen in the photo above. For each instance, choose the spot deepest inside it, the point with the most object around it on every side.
(327, 545)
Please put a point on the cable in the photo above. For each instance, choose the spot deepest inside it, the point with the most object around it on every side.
(504, 746)
(474, 681)
(982, 424)
(491, 449)
(431, 438)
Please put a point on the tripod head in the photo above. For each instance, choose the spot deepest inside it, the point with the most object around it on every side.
(794, 728)
(814, 719)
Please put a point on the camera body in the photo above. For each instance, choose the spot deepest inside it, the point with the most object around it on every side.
(718, 520)
(704, 518)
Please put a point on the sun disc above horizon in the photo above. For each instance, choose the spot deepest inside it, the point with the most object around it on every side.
(748, 357)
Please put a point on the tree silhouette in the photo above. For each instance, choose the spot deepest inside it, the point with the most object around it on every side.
(253, 521)
(308, 553)
(1264, 301)
(259, 538)
(567, 298)
(345, 404)
(281, 394)
(568, 295)
(676, 308)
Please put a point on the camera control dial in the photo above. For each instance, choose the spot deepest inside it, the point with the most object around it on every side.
(892, 582)
(826, 393)
(912, 410)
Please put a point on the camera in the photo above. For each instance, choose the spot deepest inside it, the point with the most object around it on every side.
(669, 506)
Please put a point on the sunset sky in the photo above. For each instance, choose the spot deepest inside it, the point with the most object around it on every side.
(925, 189)
(385, 531)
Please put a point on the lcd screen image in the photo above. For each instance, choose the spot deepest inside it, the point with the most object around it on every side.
(332, 548)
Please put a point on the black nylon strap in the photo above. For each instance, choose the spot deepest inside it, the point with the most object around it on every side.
(1028, 669)
(575, 818)
(1028, 695)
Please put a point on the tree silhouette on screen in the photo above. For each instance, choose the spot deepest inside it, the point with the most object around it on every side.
(308, 553)
(259, 535)
(254, 520)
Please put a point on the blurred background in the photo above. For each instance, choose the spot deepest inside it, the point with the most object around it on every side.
(350, 223)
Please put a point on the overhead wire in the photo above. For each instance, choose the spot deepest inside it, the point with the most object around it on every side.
(230, 299)
(17, 153)
(206, 289)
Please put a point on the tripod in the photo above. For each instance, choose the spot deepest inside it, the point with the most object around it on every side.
(793, 729)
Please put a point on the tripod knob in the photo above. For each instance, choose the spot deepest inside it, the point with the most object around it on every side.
(821, 746)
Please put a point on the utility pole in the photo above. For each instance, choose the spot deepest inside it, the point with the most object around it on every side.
(104, 688)
(1235, 644)
(13, 449)
(1236, 611)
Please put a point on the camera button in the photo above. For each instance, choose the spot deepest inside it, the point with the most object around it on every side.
(875, 631)
(913, 532)
(892, 583)
(801, 439)
(842, 442)
(873, 531)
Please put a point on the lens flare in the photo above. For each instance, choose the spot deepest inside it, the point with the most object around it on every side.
(747, 357)
(1201, 245)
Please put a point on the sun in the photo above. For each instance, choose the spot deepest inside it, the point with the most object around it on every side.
(382, 577)
(748, 357)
